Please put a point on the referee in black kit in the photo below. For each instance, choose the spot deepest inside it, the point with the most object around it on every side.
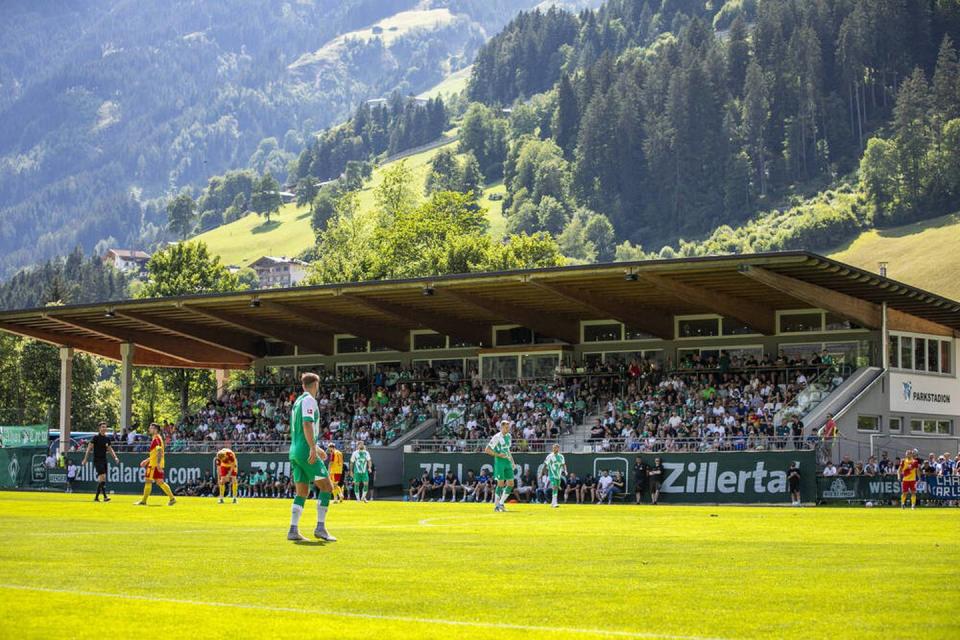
(100, 445)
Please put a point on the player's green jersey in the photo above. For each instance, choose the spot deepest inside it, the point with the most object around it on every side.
(305, 407)
(555, 463)
(361, 462)
(500, 443)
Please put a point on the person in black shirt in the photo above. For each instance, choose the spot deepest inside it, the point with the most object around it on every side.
(100, 445)
(793, 479)
(641, 470)
(656, 477)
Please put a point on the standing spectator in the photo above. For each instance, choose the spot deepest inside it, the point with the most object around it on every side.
(793, 479)
(871, 469)
(885, 467)
(71, 475)
(640, 471)
(656, 478)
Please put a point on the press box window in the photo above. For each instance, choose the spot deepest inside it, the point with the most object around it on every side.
(801, 322)
(351, 345)
(428, 341)
(698, 328)
(602, 332)
(733, 327)
(516, 335)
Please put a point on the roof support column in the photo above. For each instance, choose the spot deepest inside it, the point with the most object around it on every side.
(221, 376)
(127, 351)
(66, 396)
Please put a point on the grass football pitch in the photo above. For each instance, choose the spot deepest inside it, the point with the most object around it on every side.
(71, 568)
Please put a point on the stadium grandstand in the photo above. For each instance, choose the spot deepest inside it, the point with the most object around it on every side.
(729, 353)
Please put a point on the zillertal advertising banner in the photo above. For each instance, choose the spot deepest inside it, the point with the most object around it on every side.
(181, 469)
(709, 478)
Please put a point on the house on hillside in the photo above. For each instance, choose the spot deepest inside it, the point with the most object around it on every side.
(281, 271)
(127, 260)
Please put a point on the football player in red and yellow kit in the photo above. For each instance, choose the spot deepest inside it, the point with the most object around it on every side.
(335, 466)
(909, 467)
(154, 465)
(227, 467)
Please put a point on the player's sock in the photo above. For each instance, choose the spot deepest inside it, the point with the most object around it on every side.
(295, 511)
(323, 503)
(556, 494)
(165, 488)
(234, 489)
(903, 499)
(99, 486)
(147, 490)
(220, 488)
(913, 500)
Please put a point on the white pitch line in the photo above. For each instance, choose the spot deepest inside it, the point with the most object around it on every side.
(363, 616)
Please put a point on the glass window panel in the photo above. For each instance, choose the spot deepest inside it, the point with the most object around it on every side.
(916, 425)
(542, 339)
(353, 371)
(424, 341)
(653, 355)
(592, 359)
(843, 352)
(699, 328)
(500, 367)
(635, 334)
(893, 349)
(895, 424)
(801, 322)
(602, 332)
(868, 423)
(833, 322)
(351, 345)
(733, 327)
(933, 355)
(516, 335)
(540, 365)
(906, 352)
(945, 348)
(919, 354)
(379, 347)
(799, 352)
(458, 343)
(944, 427)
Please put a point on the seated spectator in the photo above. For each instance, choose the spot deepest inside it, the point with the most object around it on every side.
(829, 470)
(573, 484)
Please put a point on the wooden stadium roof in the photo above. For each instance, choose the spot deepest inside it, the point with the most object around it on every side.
(232, 330)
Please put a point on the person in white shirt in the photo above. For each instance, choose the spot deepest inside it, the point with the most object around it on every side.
(605, 485)
(829, 470)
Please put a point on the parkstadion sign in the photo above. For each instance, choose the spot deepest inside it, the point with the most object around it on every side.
(688, 477)
(936, 395)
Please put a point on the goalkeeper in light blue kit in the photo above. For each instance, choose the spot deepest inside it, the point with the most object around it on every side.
(499, 448)
(556, 468)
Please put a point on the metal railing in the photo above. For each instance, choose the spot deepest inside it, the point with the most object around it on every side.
(639, 445)
(811, 396)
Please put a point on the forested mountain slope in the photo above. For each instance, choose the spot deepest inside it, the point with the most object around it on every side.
(105, 105)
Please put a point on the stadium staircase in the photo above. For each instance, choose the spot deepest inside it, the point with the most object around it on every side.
(577, 439)
(819, 399)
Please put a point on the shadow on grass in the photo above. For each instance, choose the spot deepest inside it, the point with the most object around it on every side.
(917, 227)
(265, 227)
(310, 543)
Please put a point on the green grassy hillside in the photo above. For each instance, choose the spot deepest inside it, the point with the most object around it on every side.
(925, 254)
(289, 233)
